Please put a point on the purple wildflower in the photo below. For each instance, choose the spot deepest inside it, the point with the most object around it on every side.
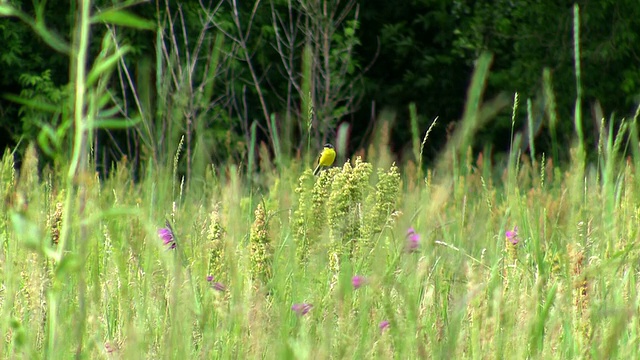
(512, 235)
(167, 237)
(301, 309)
(357, 281)
(216, 285)
(413, 240)
(384, 325)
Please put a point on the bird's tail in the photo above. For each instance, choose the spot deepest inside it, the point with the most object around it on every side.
(317, 170)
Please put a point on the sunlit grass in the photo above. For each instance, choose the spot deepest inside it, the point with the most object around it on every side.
(370, 259)
(565, 287)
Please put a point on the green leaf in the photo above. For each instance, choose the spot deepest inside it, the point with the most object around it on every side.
(114, 123)
(123, 18)
(52, 39)
(103, 66)
(103, 101)
(110, 112)
(37, 105)
(46, 137)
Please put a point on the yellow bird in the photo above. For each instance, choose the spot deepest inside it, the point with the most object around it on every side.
(326, 158)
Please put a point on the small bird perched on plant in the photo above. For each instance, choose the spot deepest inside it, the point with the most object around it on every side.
(326, 158)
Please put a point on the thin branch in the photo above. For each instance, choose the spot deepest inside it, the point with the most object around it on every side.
(252, 70)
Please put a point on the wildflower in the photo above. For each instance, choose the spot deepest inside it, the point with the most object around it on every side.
(167, 237)
(384, 325)
(512, 235)
(301, 309)
(216, 285)
(413, 240)
(357, 281)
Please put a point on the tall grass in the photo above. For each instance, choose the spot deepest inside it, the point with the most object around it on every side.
(564, 287)
(368, 260)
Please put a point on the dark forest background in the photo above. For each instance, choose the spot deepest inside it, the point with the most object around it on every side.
(229, 74)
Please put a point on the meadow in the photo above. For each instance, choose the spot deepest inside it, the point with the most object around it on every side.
(367, 260)
(462, 257)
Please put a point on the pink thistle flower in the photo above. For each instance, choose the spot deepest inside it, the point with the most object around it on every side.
(512, 235)
(384, 325)
(167, 237)
(413, 240)
(357, 281)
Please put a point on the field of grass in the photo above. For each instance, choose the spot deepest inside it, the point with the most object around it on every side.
(364, 261)
(370, 259)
